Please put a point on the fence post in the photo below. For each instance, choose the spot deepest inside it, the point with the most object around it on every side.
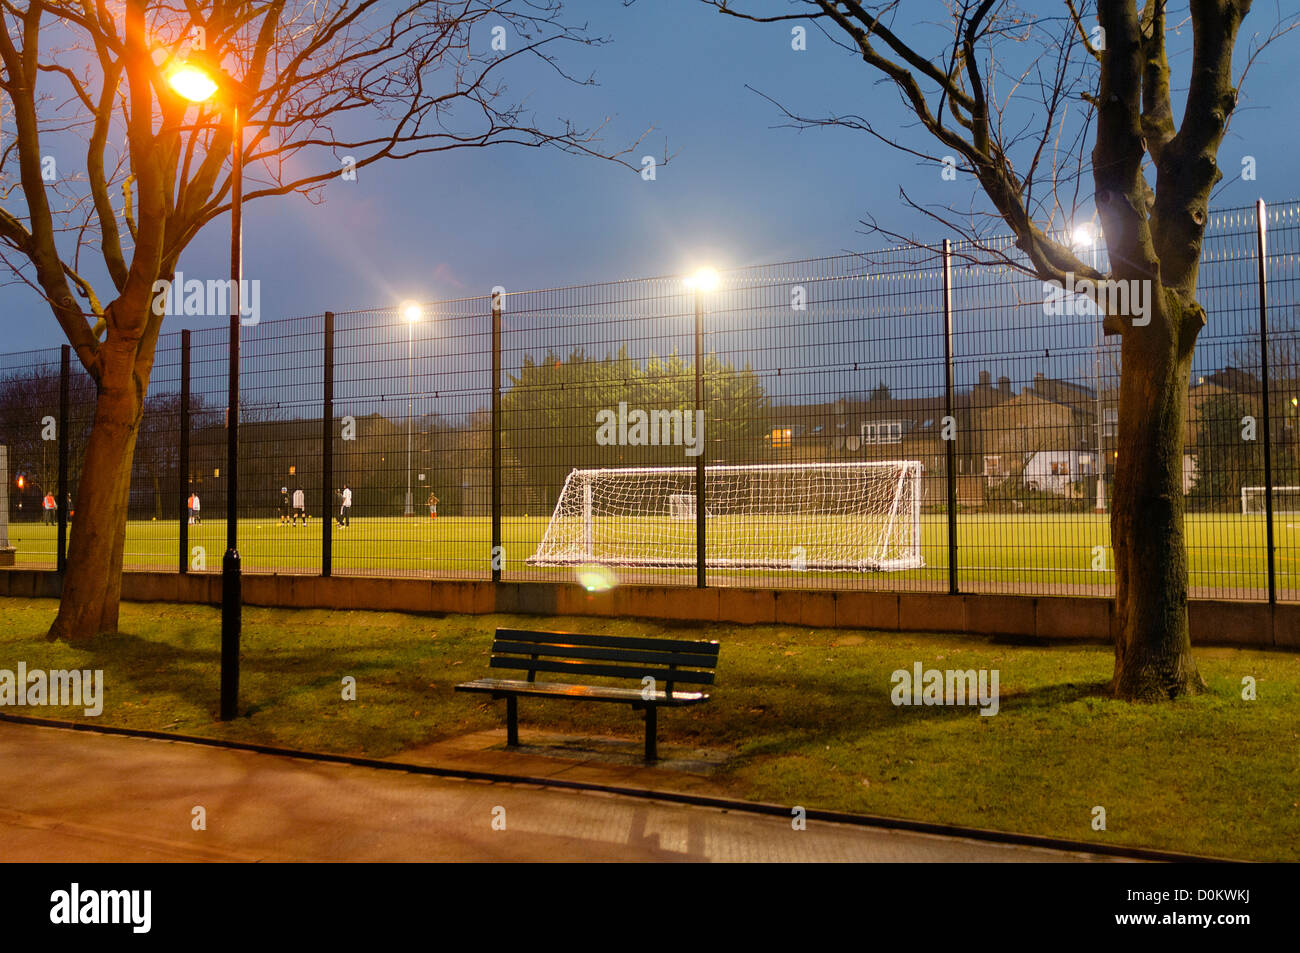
(1262, 246)
(496, 436)
(65, 380)
(183, 464)
(327, 450)
(949, 408)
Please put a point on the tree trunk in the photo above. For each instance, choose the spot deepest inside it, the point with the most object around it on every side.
(92, 584)
(1153, 658)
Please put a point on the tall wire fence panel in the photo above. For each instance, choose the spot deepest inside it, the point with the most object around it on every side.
(829, 423)
(29, 411)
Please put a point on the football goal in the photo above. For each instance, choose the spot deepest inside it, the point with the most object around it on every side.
(1286, 499)
(804, 516)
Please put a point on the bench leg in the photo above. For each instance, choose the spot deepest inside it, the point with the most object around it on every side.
(512, 721)
(651, 733)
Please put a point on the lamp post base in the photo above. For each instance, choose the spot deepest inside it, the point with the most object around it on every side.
(231, 624)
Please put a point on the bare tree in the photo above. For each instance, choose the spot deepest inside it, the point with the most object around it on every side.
(1013, 98)
(322, 89)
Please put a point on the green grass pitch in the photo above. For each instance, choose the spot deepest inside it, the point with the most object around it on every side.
(1227, 551)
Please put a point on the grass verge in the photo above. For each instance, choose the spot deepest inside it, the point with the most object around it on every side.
(805, 713)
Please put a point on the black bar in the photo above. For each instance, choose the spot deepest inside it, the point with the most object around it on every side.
(512, 721)
(700, 554)
(231, 583)
(651, 733)
(183, 464)
(327, 451)
(497, 558)
(1263, 358)
(949, 410)
(65, 381)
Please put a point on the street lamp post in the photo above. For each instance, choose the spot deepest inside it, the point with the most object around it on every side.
(198, 83)
(704, 280)
(411, 312)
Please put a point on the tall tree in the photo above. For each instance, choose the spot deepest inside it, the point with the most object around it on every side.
(323, 90)
(550, 409)
(1013, 97)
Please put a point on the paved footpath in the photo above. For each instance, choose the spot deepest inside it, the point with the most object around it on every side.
(78, 796)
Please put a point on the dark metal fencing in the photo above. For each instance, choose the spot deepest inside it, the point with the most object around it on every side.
(910, 419)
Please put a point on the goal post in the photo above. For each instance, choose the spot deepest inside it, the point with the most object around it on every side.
(834, 517)
(1286, 499)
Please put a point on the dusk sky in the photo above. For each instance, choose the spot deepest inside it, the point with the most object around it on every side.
(739, 189)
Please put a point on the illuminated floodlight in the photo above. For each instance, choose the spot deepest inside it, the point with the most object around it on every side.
(411, 311)
(704, 279)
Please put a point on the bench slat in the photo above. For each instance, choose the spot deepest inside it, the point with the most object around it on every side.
(596, 693)
(601, 654)
(608, 671)
(705, 648)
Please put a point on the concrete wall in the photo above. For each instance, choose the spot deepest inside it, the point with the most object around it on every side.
(1026, 617)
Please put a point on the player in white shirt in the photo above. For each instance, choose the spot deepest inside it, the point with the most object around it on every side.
(299, 506)
(344, 519)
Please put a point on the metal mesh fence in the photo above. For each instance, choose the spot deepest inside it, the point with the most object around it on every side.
(837, 360)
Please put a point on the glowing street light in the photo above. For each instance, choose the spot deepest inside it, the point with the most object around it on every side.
(192, 82)
(198, 80)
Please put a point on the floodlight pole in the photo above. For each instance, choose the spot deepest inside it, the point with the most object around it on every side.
(1100, 409)
(231, 582)
(497, 562)
(700, 575)
(1261, 228)
(410, 398)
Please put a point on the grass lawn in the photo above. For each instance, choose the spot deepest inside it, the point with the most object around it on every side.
(1226, 550)
(805, 714)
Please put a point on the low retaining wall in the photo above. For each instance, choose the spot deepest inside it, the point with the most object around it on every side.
(1028, 617)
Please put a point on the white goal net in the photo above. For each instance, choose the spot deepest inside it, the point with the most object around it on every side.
(813, 516)
(1286, 499)
(681, 506)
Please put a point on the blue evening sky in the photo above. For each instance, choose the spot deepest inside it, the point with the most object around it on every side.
(739, 190)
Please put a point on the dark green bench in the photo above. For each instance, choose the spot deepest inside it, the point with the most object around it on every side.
(668, 662)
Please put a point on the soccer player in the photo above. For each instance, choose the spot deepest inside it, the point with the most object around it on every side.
(195, 515)
(433, 506)
(299, 506)
(51, 508)
(344, 518)
(284, 505)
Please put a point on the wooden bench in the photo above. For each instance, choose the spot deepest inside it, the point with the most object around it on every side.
(667, 661)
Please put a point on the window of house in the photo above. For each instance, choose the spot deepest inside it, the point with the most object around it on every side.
(887, 431)
(1109, 421)
(1060, 468)
(781, 437)
(992, 466)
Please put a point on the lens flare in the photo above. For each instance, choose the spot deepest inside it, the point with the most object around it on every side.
(596, 578)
